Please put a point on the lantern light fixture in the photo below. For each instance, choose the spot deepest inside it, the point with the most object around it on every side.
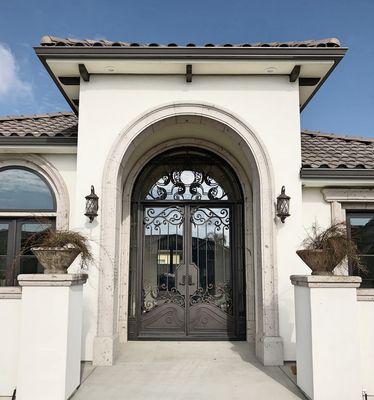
(92, 205)
(283, 205)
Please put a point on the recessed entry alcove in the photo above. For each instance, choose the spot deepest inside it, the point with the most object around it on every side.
(187, 228)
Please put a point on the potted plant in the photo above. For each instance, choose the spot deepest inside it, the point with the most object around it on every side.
(324, 249)
(56, 250)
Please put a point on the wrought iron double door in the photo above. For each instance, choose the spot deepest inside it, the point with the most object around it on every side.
(191, 280)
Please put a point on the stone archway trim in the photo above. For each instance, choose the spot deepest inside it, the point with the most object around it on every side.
(268, 343)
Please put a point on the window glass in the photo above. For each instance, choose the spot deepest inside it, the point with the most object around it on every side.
(16, 256)
(361, 226)
(30, 236)
(21, 189)
(4, 229)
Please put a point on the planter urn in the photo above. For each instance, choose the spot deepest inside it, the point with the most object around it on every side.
(321, 262)
(55, 260)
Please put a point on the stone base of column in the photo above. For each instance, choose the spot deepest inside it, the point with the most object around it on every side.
(269, 350)
(327, 336)
(50, 336)
(105, 350)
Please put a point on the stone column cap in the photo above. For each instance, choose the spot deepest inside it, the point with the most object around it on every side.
(52, 279)
(326, 281)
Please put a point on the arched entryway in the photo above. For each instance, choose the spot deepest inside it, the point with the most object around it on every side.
(202, 126)
(186, 270)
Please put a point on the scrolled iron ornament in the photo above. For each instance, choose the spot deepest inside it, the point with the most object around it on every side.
(173, 215)
(219, 220)
(153, 296)
(174, 185)
(219, 295)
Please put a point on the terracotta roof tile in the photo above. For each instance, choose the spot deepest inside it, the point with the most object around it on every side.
(68, 42)
(319, 150)
(63, 124)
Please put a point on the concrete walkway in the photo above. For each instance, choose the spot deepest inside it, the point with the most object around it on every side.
(187, 370)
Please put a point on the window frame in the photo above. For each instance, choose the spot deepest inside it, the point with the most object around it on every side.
(33, 210)
(361, 213)
(15, 239)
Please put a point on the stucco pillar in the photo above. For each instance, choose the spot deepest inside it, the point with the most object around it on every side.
(327, 336)
(10, 308)
(50, 336)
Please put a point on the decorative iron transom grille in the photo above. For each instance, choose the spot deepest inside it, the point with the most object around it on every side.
(186, 184)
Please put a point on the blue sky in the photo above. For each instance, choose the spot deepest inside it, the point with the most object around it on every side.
(344, 105)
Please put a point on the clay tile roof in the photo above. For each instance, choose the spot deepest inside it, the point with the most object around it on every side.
(319, 150)
(62, 124)
(322, 150)
(68, 42)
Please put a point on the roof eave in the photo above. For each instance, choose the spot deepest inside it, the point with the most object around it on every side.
(336, 173)
(38, 141)
(191, 52)
(334, 54)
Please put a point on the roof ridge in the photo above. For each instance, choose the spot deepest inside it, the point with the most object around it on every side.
(36, 116)
(338, 136)
(50, 40)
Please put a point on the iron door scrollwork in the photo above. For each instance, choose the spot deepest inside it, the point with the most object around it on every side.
(163, 227)
(211, 253)
(186, 274)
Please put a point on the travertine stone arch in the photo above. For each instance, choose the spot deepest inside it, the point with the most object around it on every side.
(232, 137)
(51, 175)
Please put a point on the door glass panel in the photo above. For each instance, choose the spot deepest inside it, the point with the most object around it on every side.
(30, 236)
(211, 254)
(162, 256)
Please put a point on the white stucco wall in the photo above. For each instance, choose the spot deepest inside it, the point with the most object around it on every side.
(10, 309)
(366, 330)
(269, 105)
(66, 166)
(315, 208)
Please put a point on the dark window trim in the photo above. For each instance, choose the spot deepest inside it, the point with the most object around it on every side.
(363, 213)
(38, 141)
(14, 240)
(336, 173)
(33, 210)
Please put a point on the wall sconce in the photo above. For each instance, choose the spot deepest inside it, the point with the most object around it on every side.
(283, 205)
(92, 205)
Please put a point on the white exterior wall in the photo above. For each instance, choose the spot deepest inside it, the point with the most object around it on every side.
(366, 331)
(10, 309)
(315, 208)
(268, 105)
(66, 164)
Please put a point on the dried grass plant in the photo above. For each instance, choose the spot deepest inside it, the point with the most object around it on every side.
(67, 239)
(335, 245)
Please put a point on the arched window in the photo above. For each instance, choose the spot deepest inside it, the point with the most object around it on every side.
(22, 189)
(27, 209)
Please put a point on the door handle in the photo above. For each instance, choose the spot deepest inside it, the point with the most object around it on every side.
(183, 283)
(190, 280)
